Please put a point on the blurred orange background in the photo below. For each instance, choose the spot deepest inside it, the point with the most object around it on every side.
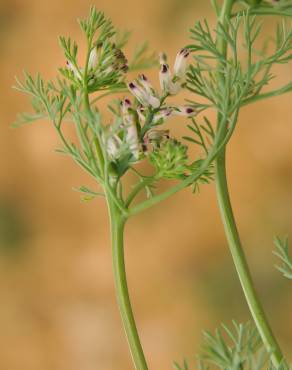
(58, 308)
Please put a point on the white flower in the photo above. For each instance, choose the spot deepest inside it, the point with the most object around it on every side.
(113, 144)
(143, 96)
(173, 85)
(165, 77)
(93, 59)
(132, 140)
(143, 81)
(180, 65)
(185, 110)
(131, 133)
(162, 115)
(74, 69)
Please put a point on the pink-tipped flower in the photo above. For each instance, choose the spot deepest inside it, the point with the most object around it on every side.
(185, 111)
(162, 115)
(131, 133)
(74, 69)
(144, 82)
(143, 96)
(125, 105)
(167, 83)
(180, 64)
(165, 78)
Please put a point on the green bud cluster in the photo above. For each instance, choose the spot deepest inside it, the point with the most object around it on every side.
(170, 159)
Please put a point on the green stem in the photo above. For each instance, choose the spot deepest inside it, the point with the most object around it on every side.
(230, 227)
(122, 293)
(241, 265)
(140, 186)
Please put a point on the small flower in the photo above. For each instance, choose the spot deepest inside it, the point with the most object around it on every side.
(74, 69)
(166, 83)
(162, 115)
(157, 134)
(154, 137)
(143, 81)
(173, 85)
(131, 133)
(185, 110)
(93, 59)
(132, 140)
(180, 64)
(115, 61)
(141, 113)
(143, 96)
(113, 145)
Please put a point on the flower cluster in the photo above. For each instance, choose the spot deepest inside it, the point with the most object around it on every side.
(138, 132)
(107, 65)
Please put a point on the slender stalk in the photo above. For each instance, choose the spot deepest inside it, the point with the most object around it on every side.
(122, 293)
(231, 231)
(241, 265)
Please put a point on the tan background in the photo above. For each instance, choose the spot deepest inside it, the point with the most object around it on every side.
(57, 303)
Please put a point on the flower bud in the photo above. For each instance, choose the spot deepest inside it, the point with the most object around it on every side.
(93, 59)
(132, 140)
(185, 111)
(74, 69)
(141, 113)
(157, 135)
(180, 64)
(113, 144)
(164, 77)
(162, 115)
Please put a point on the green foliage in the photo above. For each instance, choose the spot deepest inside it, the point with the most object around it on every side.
(243, 82)
(170, 159)
(88, 194)
(94, 22)
(232, 349)
(282, 252)
(185, 366)
(236, 348)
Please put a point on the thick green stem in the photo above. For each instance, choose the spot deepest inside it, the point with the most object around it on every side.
(228, 219)
(241, 265)
(122, 293)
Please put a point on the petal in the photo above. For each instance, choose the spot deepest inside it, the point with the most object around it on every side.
(146, 84)
(93, 59)
(180, 64)
(164, 77)
(138, 92)
(133, 141)
(73, 68)
(113, 144)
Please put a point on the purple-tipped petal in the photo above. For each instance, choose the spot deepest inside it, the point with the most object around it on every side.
(180, 64)
(185, 111)
(165, 78)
